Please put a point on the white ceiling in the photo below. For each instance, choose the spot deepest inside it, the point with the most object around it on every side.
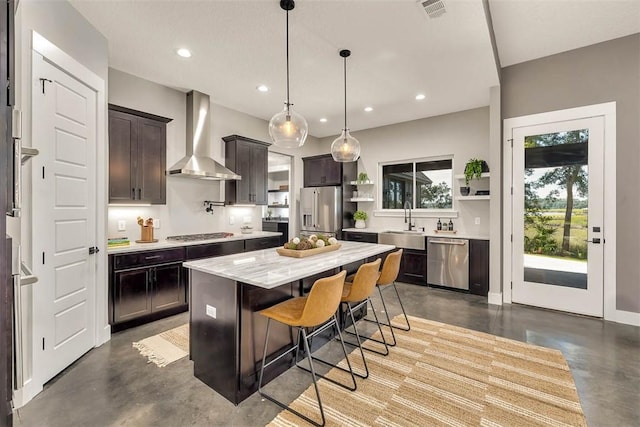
(397, 51)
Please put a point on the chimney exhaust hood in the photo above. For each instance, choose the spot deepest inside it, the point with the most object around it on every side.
(197, 164)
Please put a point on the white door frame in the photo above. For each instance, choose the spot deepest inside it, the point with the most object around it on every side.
(40, 45)
(608, 111)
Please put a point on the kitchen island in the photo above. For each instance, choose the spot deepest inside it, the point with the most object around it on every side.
(226, 333)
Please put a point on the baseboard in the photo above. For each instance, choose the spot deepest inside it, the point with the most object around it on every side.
(495, 298)
(104, 335)
(24, 395)
(627, 317)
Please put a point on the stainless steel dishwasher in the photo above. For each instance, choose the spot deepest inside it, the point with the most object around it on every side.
(448, 262)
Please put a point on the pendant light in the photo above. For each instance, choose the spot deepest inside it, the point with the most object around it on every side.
(345, 148)
(287, 128)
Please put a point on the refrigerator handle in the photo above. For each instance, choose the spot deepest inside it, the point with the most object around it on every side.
(315, 208)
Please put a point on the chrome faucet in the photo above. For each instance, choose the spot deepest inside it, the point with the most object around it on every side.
(407, 206)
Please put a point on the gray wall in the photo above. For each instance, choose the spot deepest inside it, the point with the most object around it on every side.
(604, 72)
(464, 134)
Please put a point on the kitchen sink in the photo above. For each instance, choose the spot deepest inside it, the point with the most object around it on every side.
(403, 239)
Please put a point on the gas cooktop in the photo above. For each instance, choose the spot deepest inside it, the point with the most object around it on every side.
(202, 236)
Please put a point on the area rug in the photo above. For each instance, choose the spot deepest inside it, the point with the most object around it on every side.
(440, 374)
(166, 347)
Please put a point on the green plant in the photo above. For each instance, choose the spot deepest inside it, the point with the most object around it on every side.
(363, 177)
(360, 215)
(473, 169)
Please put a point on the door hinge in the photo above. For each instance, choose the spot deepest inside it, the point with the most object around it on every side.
(42, 258)
(43, 80)
(512, 191)
(42, 343)
(511, 285)
(43, 172)
(511, 237)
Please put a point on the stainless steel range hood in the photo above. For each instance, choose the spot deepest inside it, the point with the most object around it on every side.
(197, 164)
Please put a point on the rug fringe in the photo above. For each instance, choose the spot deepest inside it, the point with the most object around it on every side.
(151, 356)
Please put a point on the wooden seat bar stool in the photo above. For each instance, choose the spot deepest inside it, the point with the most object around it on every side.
(318, 311)
(356, 295)
(388, 276)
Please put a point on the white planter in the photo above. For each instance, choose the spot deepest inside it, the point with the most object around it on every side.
(360, 223)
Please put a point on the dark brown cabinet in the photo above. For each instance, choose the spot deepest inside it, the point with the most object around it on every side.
(137, 156)
(413, 267)
(356, 236)
(248, 158)
(479, 267)
(323, 170)
(146, 286)
(261, 243)
(277, 226)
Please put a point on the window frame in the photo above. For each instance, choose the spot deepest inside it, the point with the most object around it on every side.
(416, 212)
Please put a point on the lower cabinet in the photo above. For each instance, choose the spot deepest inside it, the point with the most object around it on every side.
(261, 243)
(145, 286)
(356, 236)
(479, 267)
(413, 267)
(282, 227)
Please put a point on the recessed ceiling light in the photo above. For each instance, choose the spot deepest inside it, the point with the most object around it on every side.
(367, 109)
(323, 120)
(185, 53)
(262, 88)
(420, 97)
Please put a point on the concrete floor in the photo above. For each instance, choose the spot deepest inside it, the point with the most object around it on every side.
(114, 386)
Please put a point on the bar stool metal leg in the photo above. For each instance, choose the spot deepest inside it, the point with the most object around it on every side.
(386, 312)
(358, 337)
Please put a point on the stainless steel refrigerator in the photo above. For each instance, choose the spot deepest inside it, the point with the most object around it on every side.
(322, 210)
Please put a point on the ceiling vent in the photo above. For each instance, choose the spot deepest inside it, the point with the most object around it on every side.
(433, 8)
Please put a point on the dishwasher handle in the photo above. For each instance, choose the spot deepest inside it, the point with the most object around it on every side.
(447, 242)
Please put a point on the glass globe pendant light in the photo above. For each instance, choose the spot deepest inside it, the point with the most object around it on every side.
(287, 128)
(345, 148)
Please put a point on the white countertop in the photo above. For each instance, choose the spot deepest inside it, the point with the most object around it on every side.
(425, 233)
(166, 244)
(267, 269)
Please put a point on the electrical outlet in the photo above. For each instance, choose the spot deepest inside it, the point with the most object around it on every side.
(156, 222)
(211, 311)
(122, 225)
(232, 220)
(477, 220)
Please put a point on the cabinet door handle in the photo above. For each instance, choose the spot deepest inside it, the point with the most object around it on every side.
(153, 257)
(133, 193)
(139, 193)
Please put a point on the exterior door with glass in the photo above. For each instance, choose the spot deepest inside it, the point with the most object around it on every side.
(558, 215)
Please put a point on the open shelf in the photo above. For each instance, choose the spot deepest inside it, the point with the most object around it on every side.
(362, 199)
(277, 206)
(484, 175)
(360, 183)
(465, 198)
(278, 191)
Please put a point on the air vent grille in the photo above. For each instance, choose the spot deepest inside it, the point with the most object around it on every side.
(433, 8)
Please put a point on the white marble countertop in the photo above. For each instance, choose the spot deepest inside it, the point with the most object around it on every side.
(267, 269)
(167, 244)
(425, 233)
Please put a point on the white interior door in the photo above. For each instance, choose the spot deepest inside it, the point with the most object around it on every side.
(558, 215)
(64, 218)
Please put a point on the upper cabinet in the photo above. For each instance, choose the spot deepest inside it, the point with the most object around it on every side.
(248, 158)
(323, 170)
(137, 156)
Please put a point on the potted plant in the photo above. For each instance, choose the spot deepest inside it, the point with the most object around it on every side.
(363, 178)
(360, 217)
(473, 169)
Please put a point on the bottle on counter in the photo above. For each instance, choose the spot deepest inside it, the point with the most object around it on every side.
(450, 225)
(438, 225)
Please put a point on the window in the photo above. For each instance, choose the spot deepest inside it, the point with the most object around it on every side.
(426, 184)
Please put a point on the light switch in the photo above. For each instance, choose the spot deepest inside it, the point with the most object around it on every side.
(122, 225)
(211, 311)
(232, 220)
(156, 222)
(477, 220)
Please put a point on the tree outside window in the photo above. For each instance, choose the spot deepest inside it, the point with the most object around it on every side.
(429, 180)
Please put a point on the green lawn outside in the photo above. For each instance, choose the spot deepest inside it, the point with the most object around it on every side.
(579, 229)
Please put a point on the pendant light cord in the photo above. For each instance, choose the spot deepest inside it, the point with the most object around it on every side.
(345, 93)
(288, 61)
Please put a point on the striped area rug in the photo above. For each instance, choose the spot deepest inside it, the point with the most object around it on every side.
(443, 375)
(166, 347)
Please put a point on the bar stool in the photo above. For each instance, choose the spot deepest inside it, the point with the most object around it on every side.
(356, 295)
(318, 311)
(388, 276)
